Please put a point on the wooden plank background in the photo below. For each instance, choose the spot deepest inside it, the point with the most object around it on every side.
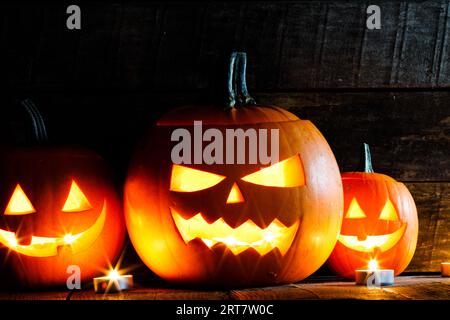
(129, 63)
(329, 288)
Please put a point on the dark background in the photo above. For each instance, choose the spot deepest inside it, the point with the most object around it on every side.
(102, 85)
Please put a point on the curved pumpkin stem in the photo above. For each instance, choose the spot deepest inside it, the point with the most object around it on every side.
(231, 98)
(40, 131)
(367, 159)
(237, 81)
(242, 91)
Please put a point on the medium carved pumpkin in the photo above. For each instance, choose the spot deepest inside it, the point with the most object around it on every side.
(58, 208)
(234, 224)
(380, 223)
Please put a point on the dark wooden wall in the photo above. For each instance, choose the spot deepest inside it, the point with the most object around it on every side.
(102, 85)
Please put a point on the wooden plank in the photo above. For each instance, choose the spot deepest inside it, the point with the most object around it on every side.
(421, 288)
(152, 294)
(444, 66)
(55, 55)
(422, 21)
(42, 295)
(287, 292)
(407, 131)
(175, 46)
(137, 43)
(405, 288)
(21, 33)
(97, 52)
(433, 245)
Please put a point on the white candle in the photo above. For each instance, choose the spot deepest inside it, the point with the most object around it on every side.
(113, 282)
(445, 269)
(374, 276)
(380, 277)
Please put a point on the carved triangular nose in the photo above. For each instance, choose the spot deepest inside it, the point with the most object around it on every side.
(235, 195)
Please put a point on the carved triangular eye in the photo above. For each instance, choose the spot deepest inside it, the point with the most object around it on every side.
(19, 204)
(185, 179)
(76, 200)
(389, 213)
(284, 174)
(354, 210)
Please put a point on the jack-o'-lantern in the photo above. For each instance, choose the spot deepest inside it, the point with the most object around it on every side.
(234, 224)
(57, 208)
(380, 223)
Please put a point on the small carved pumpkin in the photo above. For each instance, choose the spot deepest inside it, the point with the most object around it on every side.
(234, 224)
(57, 208)
(380, 222)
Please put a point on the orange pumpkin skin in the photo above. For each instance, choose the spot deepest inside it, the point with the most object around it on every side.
(372, 191)
(45, 175)
(315, 206)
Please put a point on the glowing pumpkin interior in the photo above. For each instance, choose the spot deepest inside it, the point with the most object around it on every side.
(20, 204)
(364, 242)
(284, 174)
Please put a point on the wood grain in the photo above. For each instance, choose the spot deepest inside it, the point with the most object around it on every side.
(176, 46)
(409, 132)
(433, 245)
(56, 295)
(405, 288)
(153, 294)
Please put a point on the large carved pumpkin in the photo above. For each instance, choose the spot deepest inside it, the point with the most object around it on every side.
(58, 208)
(234, 224)
(380, 223)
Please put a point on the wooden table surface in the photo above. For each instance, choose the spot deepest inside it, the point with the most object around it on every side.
(424, 287)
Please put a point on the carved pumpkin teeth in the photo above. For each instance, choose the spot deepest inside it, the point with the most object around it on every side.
(49, 247)
(247, 235)
(24, 240)
(361, 237)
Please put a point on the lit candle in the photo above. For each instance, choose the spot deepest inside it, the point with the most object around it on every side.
(113, 282)
(445, 269)
(374, 276)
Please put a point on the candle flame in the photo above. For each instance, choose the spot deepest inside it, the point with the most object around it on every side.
(373, 265)
(113, 274)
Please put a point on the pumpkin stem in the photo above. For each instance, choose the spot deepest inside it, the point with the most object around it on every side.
(244, 97)
(237, 92)
(367, 159)
(40, 130)
(231, 93)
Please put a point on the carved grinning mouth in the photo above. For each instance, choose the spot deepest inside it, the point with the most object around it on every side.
(48, 247)
(383, 242)
(247, 235)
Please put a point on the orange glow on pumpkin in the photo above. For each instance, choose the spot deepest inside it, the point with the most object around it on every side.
(48, 246)
(371, 242)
